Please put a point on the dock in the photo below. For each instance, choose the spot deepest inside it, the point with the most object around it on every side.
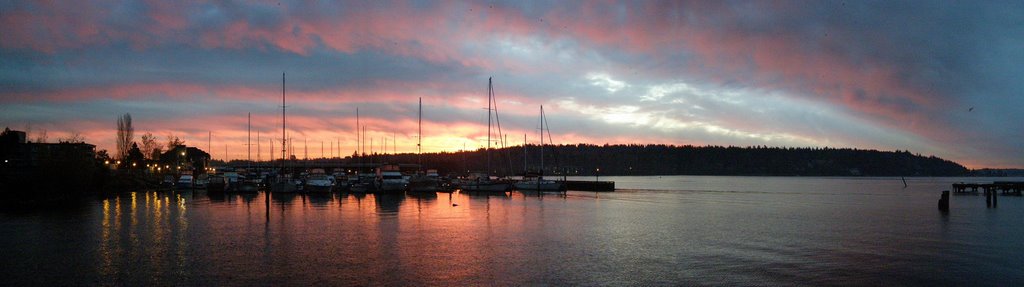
(581, 185)
(1003, 187)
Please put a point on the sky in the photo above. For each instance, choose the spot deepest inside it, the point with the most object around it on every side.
(935, 78)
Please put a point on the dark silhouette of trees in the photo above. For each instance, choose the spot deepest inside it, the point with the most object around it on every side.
(125, 135)
(149, 147)
(584, 159)
(173, 141)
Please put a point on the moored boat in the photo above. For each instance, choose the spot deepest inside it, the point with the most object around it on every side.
(216, 184)
(481, 182)
(425, 182)
(537, 183)
(185, 182)
(318, 183)
(390, 179)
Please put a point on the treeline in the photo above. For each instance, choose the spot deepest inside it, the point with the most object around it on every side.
(586, 159)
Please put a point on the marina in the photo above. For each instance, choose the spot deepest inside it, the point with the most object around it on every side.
(1004, 187)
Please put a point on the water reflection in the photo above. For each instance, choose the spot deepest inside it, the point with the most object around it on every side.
(153, 229)
(388, 203)
(753, 231)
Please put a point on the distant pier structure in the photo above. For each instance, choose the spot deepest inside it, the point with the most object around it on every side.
(1003, 187)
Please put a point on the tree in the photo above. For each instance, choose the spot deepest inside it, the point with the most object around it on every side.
(74, 137)
(102, 155)
(134, 155)
(149, 145)
(173, 141)
(156, 152)
(125, 135)
(41, 137)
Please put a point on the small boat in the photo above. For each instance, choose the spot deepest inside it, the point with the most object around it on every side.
(319, 183)
(168, 181)
(282, 185)
(481, 182)
(390, 179)
(425, 182)
(201, 180)
(185, 182)
(216, 184)
(534, 182)
(247, 185)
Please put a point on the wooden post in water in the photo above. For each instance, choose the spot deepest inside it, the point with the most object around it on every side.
(995, 198)
(944, 201)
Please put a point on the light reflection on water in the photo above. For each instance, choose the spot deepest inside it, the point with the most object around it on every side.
(656, 231)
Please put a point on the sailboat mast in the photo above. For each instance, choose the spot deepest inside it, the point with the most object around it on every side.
(490, 95)
(419, 136)
(284, 140)
(541, 141)
(259, 158)
(248, 141)
(359, 141)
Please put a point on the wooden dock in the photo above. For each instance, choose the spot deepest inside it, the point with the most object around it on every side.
(1003, 187)
(581, 185)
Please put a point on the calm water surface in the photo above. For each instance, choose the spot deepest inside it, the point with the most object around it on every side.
(668, 230)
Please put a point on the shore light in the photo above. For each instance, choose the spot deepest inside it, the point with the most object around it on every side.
(106, 162)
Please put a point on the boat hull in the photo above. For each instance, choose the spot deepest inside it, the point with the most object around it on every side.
(283, 187)
(486, 187)
(313, 188)
(540, 186)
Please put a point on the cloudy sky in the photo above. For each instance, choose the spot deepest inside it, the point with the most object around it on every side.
(936, 78)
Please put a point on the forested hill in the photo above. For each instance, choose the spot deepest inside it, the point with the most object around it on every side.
(585, 159)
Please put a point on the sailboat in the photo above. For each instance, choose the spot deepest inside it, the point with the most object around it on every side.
(249, 182)
(423, 182)
(283, 183)
(482, 181)
(536, 182)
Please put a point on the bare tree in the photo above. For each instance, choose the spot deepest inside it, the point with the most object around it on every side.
(148, 145)
(74, 137)
(125, 135)
(173, 140)
(41, 137)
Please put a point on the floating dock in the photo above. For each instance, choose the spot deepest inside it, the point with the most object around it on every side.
(1004, 187)
(580, 185)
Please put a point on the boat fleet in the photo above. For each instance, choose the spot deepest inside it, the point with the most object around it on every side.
(384, 178)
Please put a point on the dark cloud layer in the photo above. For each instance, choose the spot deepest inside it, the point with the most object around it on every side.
(888, 75)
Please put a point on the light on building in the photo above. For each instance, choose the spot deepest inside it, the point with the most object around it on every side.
(182, 153)
(106, 162)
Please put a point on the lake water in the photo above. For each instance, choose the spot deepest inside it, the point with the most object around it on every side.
(671, 230)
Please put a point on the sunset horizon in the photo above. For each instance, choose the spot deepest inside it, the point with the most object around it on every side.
(823, 74)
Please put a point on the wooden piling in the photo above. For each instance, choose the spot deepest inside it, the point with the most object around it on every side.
(944, 201)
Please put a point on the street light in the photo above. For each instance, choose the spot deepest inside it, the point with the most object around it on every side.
(597, 176)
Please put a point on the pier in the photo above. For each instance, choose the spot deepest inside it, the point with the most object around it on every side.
(1003, 187)
(582, 185)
